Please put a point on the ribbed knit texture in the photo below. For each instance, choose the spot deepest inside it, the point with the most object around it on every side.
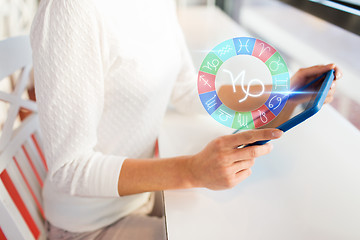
(104, 73)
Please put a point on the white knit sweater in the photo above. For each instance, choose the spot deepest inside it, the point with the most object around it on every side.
(104, 73)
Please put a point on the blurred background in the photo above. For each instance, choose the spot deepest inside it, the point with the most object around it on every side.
(305, 32)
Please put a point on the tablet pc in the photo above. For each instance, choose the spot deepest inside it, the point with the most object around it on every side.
(302, 103)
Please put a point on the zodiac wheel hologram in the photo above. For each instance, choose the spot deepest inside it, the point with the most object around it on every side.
(274, 63)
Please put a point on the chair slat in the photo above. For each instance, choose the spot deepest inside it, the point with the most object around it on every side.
(34, 156)
(2, 235)
(29, 174)
(33, 137)
(15, 53)
(37, 202)
(11, 221)
(25, 196)
(32, 166)
(10, 187)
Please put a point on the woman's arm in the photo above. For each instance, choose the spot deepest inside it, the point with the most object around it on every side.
(219, 165)
(69, 65)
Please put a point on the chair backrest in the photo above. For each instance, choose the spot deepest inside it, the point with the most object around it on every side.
(22, 162)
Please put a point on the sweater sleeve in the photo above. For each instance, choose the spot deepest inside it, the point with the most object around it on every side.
(68, 58)
(185, 96)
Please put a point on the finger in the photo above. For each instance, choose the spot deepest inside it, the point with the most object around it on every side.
(333, 85)
(316, 70)
(338, 73)
(329, 99)
(332, 89)
(243, 164)
(331, 92)
(330, 96)
(252, 152)
(251, 136)
(242, 175)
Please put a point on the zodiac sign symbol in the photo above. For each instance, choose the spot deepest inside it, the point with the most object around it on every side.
(277, 65)
(247, 91)
(280, 83)
(224, 50)
(246, 46)
(272, 105)
(263, 48)
(202, 77)
(211, 102)
(224, 114)
(214, 63)
(242, 119)
(263, 117)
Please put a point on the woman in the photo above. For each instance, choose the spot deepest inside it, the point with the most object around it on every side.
(104, 74)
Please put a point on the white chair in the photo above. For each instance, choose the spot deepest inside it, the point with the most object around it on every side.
(22, 162)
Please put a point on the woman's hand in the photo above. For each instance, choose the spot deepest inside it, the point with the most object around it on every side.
(306, 75)
(219, 165)
(222, 165)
